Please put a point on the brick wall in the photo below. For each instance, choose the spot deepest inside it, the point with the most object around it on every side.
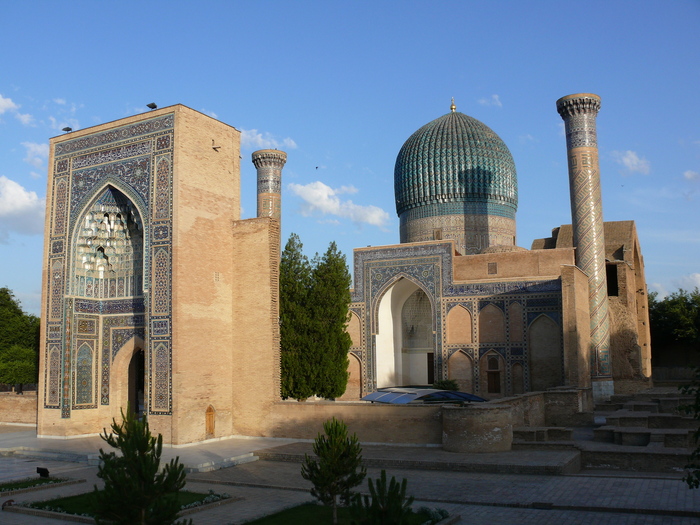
(18, 408)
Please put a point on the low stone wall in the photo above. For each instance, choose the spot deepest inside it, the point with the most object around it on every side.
(483, 427)
(556, 407)
(18, 408)
(566, 408)
(527, 410)
(373, 423)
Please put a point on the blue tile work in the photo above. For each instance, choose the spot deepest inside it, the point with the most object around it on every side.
(429, 266)
(454, 159)
(136, 160)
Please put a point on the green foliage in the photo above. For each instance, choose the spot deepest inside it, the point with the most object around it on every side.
(297, 363)
(675, 319)
(330, 290)
(446, 384)
(387, 504)
(135, 491)
(19, 342)
(338, 468)
(17, 365)
(314, 300)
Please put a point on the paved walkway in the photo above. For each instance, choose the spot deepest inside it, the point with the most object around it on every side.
(480, 498)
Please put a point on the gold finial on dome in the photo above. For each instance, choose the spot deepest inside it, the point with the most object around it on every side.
(453, 108)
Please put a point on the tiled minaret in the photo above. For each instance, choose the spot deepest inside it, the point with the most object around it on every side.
(579, 113)
(269, 163)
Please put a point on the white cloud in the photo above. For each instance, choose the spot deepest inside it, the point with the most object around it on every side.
(253, 139)
(6, 104)
(632, 161)
(527, 138)
(24, 118)
(36, 153)
(691, 175)
(493, 100)
(60, 101)
(659, 288)
(21, 211)
(63, 123)
(689, 282)
(320, 198)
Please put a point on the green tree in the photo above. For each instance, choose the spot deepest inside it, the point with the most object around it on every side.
(675, 320)
(136, 491)
(330, 289)
(297, 367)
(338, 468)
(314, 300)
(19, 341)
(17, 365)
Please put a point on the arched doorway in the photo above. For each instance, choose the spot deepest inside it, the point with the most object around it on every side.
(405, 341)
(137, 383)
(210, 423)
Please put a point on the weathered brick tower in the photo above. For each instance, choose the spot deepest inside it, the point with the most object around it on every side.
(269, 164)
(579, 113)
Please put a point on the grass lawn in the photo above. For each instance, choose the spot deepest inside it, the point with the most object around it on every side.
(85, 503)
(309, 513)
(27, 483)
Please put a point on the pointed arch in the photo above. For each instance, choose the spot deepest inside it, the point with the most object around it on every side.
(461, 369)
(492, 325)
(84, 374)
(459, 326)
(404, 338)
(545, 353)
(492, 377)
(210, 423)
(355, 330)
(517, 375)
(119, 375)
(108, 260)
(515, 322)
(354, 389)
(389, 285)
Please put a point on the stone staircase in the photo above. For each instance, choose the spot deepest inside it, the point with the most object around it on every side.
(642, 421)
(643, 432)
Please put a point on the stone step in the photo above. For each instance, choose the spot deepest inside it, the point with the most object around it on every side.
(208, 466)
(640, 406)
(643, 436)
(541, 434)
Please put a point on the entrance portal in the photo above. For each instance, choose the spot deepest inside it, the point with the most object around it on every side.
(136, 383)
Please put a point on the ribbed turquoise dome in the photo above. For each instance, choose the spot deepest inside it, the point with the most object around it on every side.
(454, 165)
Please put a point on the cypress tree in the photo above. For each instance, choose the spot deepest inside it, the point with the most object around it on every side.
(330, 289)
(314, 300)
(295, 282)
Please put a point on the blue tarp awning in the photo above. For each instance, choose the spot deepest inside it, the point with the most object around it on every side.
(403, 396)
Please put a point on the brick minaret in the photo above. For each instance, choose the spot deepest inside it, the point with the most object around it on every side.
(579, 113)
(269, 163)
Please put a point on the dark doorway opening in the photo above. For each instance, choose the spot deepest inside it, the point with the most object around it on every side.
(136, 383)
(493, 375)
(431, 368)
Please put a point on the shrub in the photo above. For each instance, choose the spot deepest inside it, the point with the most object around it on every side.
(386, 504)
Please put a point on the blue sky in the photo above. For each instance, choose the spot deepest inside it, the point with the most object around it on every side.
(341, 85)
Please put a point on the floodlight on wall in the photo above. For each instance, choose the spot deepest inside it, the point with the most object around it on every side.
(67, 129)
(152, 105)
